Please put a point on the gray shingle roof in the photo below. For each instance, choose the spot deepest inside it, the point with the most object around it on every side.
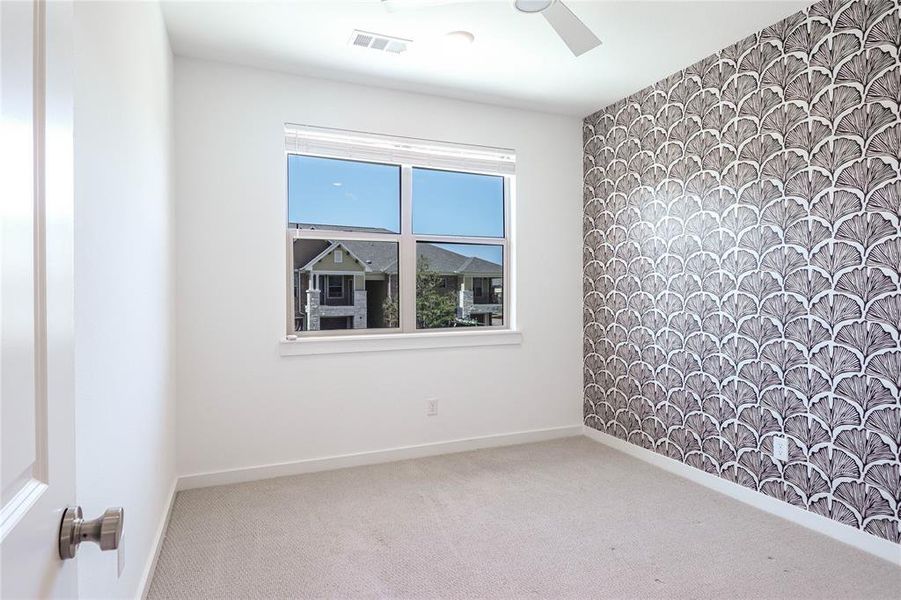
(442, 260)
(381, 257)
(307, 250)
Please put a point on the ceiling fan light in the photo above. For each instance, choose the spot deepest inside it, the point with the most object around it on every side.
(532, 6)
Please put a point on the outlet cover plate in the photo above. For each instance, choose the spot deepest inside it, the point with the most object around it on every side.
(780, 448)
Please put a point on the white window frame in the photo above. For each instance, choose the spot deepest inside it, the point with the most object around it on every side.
(408, 154)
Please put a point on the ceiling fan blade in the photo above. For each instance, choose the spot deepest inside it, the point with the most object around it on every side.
(570, 28)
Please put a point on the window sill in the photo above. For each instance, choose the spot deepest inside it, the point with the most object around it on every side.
(397, 341)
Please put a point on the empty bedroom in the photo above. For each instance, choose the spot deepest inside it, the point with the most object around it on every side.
(444, 299)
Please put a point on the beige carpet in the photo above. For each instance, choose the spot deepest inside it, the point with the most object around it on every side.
(567, 518)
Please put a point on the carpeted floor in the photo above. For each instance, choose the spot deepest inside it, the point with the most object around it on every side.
(567, 518)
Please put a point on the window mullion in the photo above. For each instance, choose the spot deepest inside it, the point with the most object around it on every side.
(407, 271)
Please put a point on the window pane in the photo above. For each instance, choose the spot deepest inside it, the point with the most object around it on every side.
(448, 203)
(327, 193)
(459, 285)
(358, 292)
(336, 286)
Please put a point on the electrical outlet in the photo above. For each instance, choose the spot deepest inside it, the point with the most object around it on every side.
(431, 407)
(780, 448)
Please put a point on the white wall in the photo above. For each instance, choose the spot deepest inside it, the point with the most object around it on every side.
(124, 296)
(241, 404)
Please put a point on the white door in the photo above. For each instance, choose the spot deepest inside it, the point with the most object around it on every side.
(37, 467)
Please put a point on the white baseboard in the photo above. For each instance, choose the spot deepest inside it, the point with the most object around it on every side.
(843, 533)
(328, 463)
(150, 567)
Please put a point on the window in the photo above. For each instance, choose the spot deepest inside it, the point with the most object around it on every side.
(397, 235)
(328, 193)
(359, 292)
(335, 286)
(453, 203)
(469, 304)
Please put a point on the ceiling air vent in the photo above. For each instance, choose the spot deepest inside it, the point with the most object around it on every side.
(377, 41)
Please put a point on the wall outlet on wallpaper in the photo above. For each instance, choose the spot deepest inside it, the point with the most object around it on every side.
(780, 448)
(431, 407)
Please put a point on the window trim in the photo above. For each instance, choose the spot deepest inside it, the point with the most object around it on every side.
(427, 339)
(380, 148)
(406, 245)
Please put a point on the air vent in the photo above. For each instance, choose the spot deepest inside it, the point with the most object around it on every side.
(377, 41)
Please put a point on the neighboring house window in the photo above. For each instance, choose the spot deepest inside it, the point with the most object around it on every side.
(403, 235)
(335, 286)
(478, 289)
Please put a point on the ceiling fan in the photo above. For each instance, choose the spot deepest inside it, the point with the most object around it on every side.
(574, 33)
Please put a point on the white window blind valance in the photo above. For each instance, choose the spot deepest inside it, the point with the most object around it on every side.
(338, 143)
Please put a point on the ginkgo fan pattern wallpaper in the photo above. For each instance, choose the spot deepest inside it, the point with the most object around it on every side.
(743, 261)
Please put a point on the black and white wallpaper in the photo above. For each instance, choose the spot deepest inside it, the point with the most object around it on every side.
(743, 261)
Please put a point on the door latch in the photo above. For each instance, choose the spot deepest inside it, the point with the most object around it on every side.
(105, 530)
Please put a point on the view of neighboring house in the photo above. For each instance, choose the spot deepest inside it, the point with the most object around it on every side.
(345, 284)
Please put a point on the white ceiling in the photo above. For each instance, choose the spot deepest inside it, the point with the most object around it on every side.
(516, 60)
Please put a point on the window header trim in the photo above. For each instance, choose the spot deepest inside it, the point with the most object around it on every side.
(355, 145)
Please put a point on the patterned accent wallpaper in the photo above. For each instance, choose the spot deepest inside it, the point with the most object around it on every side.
(743, 261)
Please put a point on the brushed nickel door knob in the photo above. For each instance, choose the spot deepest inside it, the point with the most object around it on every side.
(105, 530)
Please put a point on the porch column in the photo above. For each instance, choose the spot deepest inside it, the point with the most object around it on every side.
(312, 309)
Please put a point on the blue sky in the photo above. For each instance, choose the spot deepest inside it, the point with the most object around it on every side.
(446, 203)
(339, 192)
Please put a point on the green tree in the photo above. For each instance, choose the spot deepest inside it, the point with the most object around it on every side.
(390, 312)
(435, 306)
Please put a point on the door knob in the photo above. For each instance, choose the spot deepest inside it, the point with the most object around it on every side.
(105, 530)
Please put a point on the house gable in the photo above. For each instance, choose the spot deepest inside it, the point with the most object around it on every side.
(326, 262)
